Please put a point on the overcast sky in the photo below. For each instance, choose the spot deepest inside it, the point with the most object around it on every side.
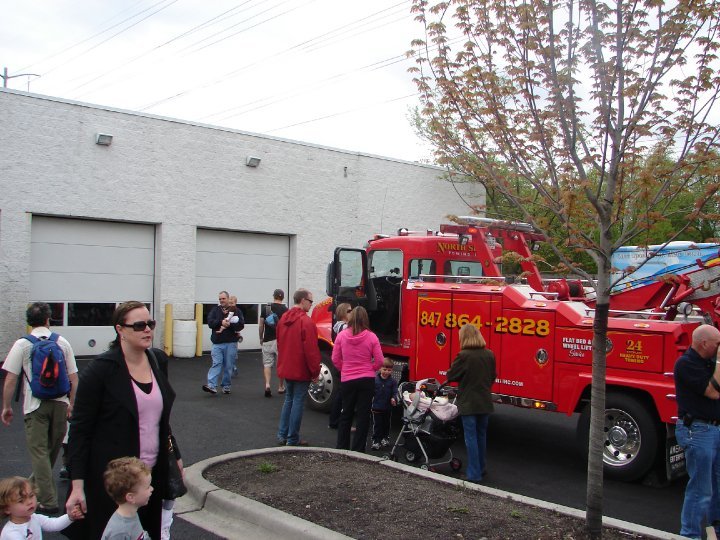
(330, 72)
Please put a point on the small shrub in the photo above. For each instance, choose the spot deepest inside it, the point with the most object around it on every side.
(267, 468)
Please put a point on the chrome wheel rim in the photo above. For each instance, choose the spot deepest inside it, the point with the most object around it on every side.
(321, 391)
(622, 438)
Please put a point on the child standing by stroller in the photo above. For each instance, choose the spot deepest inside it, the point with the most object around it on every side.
(383, 401)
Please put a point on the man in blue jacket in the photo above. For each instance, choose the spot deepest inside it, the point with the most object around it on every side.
(225, 321)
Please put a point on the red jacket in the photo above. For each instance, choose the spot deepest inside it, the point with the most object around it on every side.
(298, 351)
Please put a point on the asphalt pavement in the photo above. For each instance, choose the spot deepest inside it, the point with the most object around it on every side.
(531, 453)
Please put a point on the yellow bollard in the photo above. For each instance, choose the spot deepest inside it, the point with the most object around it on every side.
(199, 323)
(168, 329)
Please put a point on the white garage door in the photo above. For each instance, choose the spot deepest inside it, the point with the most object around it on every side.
(84, 268)
(247, 265)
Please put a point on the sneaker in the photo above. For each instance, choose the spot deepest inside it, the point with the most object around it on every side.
(226, 390)
(281, 442)
(385, 443)
(375, 446)
(301, 442)
(209, 389)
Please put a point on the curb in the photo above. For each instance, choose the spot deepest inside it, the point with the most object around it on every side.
(225, 513)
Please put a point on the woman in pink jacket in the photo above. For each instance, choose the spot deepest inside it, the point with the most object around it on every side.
(357, 356)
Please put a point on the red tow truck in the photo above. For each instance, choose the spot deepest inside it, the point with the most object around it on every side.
(420, 288)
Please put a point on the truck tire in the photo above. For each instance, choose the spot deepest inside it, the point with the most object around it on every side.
(631, 437)
(322, 395)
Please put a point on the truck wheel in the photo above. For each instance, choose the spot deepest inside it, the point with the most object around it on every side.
(631, 437)
(322, 394)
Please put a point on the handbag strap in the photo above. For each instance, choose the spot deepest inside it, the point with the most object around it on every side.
(153, 359)
(154, 362)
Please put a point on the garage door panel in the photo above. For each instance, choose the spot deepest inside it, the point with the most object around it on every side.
(224, 265)
(241, 243)
(83, 287)
(92, 233)
(91, 259)
(248, 290)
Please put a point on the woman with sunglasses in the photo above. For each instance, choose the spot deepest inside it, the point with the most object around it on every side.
(122, 408)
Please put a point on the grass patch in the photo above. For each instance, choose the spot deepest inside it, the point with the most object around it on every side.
(267, 468)
(459, 509)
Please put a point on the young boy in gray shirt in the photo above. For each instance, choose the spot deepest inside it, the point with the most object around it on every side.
(127, 481)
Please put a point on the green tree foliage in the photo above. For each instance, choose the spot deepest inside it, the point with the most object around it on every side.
(594, 121)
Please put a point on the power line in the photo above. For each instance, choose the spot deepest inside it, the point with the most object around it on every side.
(92, 48)
(279, 98)
(66, 49)
(189, 49)
(236, 72)
(115, 35)
(341, 113)
(207, 23)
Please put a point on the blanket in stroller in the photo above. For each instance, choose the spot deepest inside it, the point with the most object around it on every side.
(440, 405)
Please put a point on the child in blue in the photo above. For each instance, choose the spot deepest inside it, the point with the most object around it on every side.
(383, 402)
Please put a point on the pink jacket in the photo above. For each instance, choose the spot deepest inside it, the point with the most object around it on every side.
(357, 356)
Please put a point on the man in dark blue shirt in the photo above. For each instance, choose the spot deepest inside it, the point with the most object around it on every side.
(697, 387)
(225, 322)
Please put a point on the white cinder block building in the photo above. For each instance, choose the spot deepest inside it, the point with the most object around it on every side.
(170, 213)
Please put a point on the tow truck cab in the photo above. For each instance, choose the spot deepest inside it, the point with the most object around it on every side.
(374, 277)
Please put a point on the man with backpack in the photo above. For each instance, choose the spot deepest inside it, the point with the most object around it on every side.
(46, 363)
(269, 318)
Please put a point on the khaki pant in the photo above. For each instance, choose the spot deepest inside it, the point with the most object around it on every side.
(44, 432)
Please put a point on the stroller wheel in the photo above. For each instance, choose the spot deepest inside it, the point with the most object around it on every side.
(456, 464)
(410, 456)
(424, 467)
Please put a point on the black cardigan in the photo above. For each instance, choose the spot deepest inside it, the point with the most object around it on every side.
(104, 426)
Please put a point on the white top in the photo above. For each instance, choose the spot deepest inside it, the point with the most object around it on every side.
(33, 529)
(18, 359)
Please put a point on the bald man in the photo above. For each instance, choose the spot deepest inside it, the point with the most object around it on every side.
(697, 387)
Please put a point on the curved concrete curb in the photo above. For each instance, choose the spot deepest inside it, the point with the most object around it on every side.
(233, 516)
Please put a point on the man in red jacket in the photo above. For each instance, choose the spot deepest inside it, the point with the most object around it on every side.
(298, 363)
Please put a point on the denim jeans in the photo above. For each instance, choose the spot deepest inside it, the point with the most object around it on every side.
(701, 507)
(224, 356)
(292, 411)
(475, 427)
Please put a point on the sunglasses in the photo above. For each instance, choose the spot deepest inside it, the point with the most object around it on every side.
(311, 302)
(139, 326)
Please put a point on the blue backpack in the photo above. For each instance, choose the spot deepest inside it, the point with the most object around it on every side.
(271, 319)
(48, 369)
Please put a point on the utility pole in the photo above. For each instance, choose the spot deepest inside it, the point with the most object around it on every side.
(5, 77)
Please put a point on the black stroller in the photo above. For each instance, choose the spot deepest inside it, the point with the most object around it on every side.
(429, 424)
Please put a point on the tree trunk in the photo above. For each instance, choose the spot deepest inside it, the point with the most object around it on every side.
(594, 494)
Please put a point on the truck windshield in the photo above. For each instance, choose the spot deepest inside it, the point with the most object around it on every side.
(386, 264)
